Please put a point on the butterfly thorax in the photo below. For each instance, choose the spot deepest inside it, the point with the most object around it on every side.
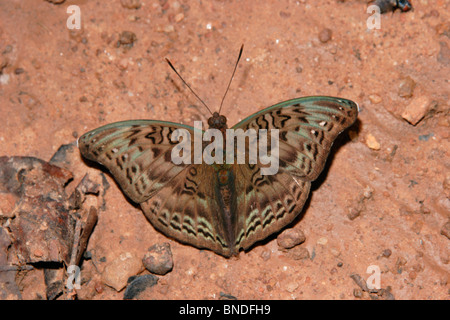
(218, 121)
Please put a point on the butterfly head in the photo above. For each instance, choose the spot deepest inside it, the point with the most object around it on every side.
(217, 121)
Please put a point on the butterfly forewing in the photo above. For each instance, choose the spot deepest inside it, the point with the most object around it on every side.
(137, 153)
(307, 128)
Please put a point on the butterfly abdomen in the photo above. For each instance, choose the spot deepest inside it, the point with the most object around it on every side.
(226, 195)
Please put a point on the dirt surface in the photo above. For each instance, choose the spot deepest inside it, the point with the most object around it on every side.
(383, 199)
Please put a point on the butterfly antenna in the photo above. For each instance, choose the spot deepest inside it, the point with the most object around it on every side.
(231, 79)
(173, 68)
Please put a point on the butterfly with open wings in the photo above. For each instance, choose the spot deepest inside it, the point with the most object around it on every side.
(230, 206)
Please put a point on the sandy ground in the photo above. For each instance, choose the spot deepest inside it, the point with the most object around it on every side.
(383, 199)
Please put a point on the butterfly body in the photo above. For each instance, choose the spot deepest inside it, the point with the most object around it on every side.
(224, 207)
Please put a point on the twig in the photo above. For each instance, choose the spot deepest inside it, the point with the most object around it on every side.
(91, 220)
(71, 293)
(7, 268)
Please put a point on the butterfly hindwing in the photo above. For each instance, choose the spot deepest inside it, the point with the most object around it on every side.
(188, 210)
(265, 203)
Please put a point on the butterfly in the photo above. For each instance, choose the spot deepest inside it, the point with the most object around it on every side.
(222, 207)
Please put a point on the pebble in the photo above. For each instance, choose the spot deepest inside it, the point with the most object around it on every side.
(359, 281)
(357, 293)
(138, 284)
(4, 78)
(372, 143)
(290, 238)
(291, 287)
(325, 35)
(38, 253)
(399, 264)
(298, 253)
(123, 64)
(265, 254)
(131, 4)
(98, 287)
(169, 28)
(374, 98)
(446, 230)
(354, 213)
(118, 271)
(159, 259)
(335, 252)
(127, 38)
(416, 110)
(367, 192)
(179, 17)
(386, 253)
(406, 87)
